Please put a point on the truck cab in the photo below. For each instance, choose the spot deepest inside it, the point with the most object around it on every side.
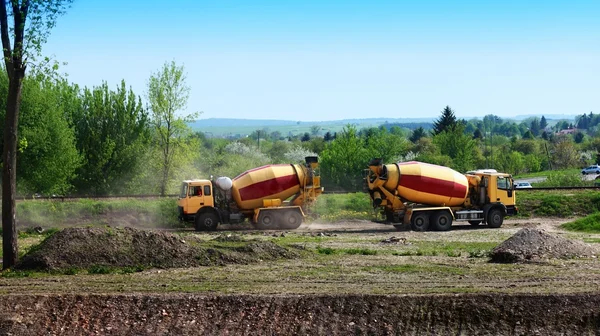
(194, 194)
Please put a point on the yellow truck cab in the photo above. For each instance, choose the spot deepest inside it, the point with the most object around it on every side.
(194, 194)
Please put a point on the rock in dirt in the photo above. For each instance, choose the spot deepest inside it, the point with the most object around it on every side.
(395, 240)
(128, 247)
(531, 244)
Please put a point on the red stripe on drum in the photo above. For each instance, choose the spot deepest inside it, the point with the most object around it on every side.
(268, 187)
(433, 186)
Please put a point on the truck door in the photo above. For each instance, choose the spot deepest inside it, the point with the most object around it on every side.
(195, 198)
(505, 193)
(182, 200)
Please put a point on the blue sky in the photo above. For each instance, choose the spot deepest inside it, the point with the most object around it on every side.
(328, 60)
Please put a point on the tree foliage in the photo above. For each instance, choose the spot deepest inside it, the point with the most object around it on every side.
(417, 134)
(112, 132)
(168, 94)
(344, 159)
(459, 146)
(445, 121)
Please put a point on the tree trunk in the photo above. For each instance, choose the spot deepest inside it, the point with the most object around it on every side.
(9, 172)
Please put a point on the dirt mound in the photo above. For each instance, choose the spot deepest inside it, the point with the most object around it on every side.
(534, 244)
(127, 247)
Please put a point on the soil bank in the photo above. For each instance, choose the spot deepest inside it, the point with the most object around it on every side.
(180, 314)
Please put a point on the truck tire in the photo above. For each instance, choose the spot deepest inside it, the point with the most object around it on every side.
(420, 221)
(442, 221)
(474, 222)
(206, 221)
(267, 221)
(495, 218)
(291, 219)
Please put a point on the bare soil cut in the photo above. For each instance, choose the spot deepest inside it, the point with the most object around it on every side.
(301, 315)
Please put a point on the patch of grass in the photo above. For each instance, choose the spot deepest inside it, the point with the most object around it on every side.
(558, 203)
(72, 271)
(591, 240)
(336, 207)
(569, 178)
(160, 212)
(350, 251)
(547, 173)
(16, 274)
(32, 232)
(326, 250)
(412, 268)
(450, 249)
(100, 269)
(361, 251)
(589, 223)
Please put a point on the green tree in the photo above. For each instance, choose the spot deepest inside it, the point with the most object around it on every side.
(543, 123)
(278, 150)
(458, 146)
(315, 130)
(445, 121)
(328, 136)
(417, 134)
(578, 137)
(564, 153)
(49, 160)
(305, 137)
(344, 159)
(535, 127)
(380, 143)
(32, 21)
(168, 94)
(112, 132)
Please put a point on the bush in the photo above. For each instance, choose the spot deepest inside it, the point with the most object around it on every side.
(564, 179)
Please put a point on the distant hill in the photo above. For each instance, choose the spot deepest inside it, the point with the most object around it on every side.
(236, 128)
(548, 116)
(230, 122)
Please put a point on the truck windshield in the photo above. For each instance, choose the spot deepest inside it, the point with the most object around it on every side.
(183, 193)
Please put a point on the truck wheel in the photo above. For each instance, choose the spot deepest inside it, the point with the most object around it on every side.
(495, 218)
(442, 221)
(267, 221)
(475, 222)
(420, 221)
(291, 220)
(206, 222)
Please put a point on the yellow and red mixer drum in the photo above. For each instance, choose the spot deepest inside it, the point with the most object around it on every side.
(279, 181)
(431, 184)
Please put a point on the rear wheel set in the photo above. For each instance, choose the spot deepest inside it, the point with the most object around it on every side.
(279, 219)
(423, 221)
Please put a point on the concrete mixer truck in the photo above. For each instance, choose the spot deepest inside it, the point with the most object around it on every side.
(270, 197)
(428, 196)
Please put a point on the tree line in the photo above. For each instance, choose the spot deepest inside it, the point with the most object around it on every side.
(110, 141)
